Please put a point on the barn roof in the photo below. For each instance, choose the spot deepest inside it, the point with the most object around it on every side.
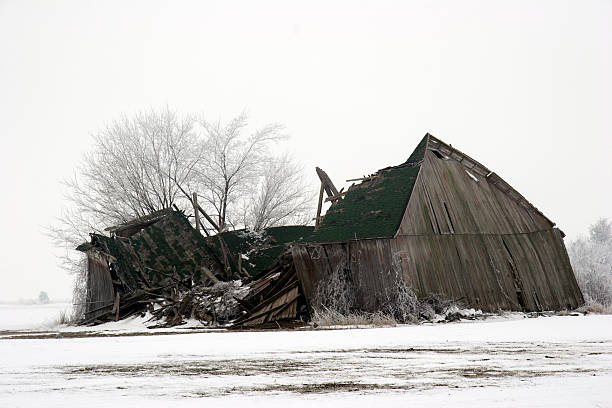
(373, 208)
(166, 242)
(261, 248)
(150, 256)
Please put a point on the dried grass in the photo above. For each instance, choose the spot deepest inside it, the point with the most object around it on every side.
(327, 318)
(64, 318)
(594, 308)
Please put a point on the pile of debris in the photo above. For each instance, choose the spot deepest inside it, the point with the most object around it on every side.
(275, 299)
(211, 305)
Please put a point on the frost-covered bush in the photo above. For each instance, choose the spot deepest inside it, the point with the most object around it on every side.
(335, 293)
(79, 290)
(401, 301)
(591, 259)
(334, 302)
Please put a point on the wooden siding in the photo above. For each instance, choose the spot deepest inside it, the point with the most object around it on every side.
(491, 271)
(100, 291)
(470, 240)
(369, 264)
(447, 200)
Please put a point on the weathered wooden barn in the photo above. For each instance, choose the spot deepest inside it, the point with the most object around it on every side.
(441, 223)
(447, 225)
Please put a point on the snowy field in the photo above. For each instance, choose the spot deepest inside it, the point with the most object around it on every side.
(503, 362)
(14, 316)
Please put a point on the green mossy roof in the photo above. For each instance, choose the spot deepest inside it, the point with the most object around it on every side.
(156, 252)
(262, 249)
(375, 207)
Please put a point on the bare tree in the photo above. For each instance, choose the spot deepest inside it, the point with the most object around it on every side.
(234, 166)
(282, 196)
(601, 232)
(131, 169)
(127, 174)
(592, 262)
(139, 164)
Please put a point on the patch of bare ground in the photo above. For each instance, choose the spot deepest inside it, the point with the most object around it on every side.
(492, 373)
(361, 370)
(316, 388)
(241, 367)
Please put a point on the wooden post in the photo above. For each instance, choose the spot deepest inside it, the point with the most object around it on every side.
(213, 223)
(319, 206)
(116, 307)
(196, 211)
(226, 264)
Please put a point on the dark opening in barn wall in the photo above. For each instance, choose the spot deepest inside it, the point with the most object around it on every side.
(448, 218)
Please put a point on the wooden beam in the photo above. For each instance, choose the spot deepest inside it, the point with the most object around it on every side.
(330, 189)
(195, 211)
(224, 251)
(363, 178)
(213, 223)
(319, 206)
(210, 275)
(336, 197)
(116, 306)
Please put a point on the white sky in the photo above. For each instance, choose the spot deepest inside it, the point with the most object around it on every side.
(524, 87)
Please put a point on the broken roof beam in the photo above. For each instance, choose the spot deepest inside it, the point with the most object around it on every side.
(196, 205)
(336, 197)
(364, 178)
(329, 187)
(319, 207)
(132, 226)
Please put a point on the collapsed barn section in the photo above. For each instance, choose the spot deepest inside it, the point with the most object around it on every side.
(153, 263)
(441, 223)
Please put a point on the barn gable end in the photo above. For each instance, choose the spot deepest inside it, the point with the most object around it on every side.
(453, 195)
(467, 234)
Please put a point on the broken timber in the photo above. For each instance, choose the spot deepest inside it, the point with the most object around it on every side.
(327, 184)
(330, 190)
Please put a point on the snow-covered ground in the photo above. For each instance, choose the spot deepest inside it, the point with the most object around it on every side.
(15, 316)
(508, 362)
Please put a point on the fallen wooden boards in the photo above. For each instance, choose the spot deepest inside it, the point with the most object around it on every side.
(126, 306)
(274, 297)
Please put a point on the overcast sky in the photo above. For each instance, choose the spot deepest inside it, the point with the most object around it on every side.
(525, 87)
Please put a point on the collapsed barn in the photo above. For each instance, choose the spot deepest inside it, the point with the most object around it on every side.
(157, 262)
(441, 223)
